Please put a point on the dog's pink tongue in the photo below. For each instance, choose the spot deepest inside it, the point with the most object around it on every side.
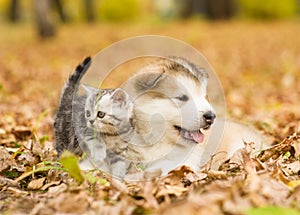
(197, 136)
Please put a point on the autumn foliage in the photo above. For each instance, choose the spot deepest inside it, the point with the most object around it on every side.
(259, 67)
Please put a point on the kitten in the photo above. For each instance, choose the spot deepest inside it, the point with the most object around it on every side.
(102, 125)
(109, 114)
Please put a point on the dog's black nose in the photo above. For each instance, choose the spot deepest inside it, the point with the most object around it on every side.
(209, 117)
(92, 122)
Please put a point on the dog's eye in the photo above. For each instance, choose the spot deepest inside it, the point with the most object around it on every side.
(100, 114)
(88, 113)
(182, 98)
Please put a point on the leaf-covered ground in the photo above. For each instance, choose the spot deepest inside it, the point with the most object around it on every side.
(259, 67)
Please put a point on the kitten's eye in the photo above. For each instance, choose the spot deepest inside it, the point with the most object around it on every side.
(182, 98)
(100, 114)
(88, 113)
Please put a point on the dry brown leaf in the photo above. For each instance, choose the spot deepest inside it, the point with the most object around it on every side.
(266, 189)
(36, 184)
(7, 182)
(291, 168)
(216, 174)
(121, 207)
(190, 208)
(41, 208)
(67, 202)
(171, 190)
(26, 158)
(279, 175)
(21, 132)
(8, 141)
(237, 203)
(118, 185)
(276, 151)
(194, 177)
(149, 189)
(56, 190)
(6, 160)
(51, 184)
(275, 191)
(296, 145)
(17, 192)
(175, 176)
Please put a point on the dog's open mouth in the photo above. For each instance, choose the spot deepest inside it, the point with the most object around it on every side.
(196, 136)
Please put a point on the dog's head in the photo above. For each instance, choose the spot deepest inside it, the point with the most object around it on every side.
(170, 100)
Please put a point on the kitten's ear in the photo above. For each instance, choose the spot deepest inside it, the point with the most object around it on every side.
(120, 96)
(89, 89)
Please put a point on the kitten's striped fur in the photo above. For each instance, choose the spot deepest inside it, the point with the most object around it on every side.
(108, 146)
(65, 137)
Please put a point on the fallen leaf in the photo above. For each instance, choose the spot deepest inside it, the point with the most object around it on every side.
(171, 190)
(148, 193)
(36, 184)
(194, 177)
(70, 162)
(292, 168)
(275, 151)
(55, 190)
(7, 182)
(296, 145)
(51, 184)
(6, 160)
(76, 203)
(216, 174)
(175, 176)
(21, 132)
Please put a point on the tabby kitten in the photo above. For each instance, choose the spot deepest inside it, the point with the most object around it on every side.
(109, 114)
(99, 121)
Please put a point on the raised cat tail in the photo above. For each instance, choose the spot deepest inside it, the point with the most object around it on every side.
(65, 138)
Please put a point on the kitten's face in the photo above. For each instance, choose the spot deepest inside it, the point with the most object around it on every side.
(107, 111)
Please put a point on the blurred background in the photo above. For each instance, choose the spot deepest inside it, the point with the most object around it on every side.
(253, 45)
(46, 13)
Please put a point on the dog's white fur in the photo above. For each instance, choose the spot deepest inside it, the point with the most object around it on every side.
(154, 91)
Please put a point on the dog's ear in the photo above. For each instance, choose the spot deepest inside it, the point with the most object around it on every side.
(149, 80)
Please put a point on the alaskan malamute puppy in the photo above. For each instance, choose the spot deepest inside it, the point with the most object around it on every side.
(172, 114)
